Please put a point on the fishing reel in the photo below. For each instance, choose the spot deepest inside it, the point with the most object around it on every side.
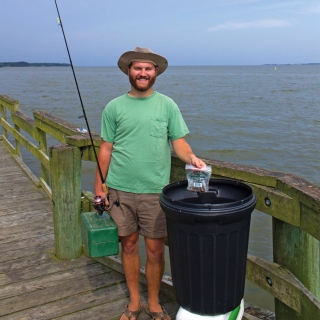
(100, 205)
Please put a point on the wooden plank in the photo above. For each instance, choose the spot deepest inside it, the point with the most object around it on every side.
(23, 230)
(284, 285)
(9, 103)
(43, 269)
(5, 203)
(25, 123)
(113, 310)
(254, 313)
(298, 252)
(39, 230)
(6, 142)
(37, 240)
(73, 304)
(301, 190)
(65, 163)
(11, 190)
(23, 253)
(310, 221)
(46, 188)
(279, 205)
(30, 205)
(24, 218)
(68, 289)
(55, 127)
(228, 170)
(54, 279)
(29, 261)
(27, 171)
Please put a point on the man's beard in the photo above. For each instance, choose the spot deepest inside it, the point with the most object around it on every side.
(133, 82)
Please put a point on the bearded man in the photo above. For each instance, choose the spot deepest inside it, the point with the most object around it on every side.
(135, 157)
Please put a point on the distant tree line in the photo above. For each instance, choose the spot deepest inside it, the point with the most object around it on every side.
(27, 64)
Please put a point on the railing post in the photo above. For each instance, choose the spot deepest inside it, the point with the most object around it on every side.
(299, 253)
(43, 148)
(65, 167)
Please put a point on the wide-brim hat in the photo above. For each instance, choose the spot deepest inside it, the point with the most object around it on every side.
(143, 55)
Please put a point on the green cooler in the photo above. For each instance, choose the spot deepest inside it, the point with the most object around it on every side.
(99, 234)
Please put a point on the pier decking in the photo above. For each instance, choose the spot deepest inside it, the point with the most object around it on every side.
(33, 283)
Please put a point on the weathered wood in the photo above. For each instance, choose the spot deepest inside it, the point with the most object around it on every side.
(65, 163)
(83, 140)
(299, 253)
(42, 296)
(45, 173)
(43, 270)
(18, 244)
(32, 148)
(21, 218)
(254, 313)
(54, 279)
(9, 103)
(310, 221)
(75, 303)
(279, 205)
(25, 252)
(228, 170)
(25, 123)
(33, 284)
(112, 310)
(32, 205)
(301, 190)
(294, 201)
(6, 141)
(24, 262)
(57, 128)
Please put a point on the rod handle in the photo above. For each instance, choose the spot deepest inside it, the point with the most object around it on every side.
(105, 189)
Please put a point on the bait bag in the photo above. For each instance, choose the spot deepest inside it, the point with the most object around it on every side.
(198, 178)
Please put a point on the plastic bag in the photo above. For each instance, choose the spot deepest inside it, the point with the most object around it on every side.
(198, 178)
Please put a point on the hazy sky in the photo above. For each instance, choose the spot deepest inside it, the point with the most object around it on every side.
(198, 32)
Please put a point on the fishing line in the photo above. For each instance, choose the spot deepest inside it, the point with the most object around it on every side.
(104, 187)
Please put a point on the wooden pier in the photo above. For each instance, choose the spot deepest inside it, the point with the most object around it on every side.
(44, 273)
(33, 283)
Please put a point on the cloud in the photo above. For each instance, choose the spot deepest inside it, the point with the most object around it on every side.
(271, 23)
(314, 9)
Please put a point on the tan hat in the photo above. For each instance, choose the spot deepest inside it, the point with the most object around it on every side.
(142, 54)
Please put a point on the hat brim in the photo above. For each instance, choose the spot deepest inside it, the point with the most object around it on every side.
(130, 56)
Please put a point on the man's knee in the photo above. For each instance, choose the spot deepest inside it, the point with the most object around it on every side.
(130, 243)
(155, 249)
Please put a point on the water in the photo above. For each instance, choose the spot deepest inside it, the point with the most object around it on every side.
(254, 115)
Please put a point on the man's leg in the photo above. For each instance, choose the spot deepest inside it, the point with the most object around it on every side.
(154, 270)
(131, 267)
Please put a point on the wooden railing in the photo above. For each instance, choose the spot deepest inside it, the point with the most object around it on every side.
(293, 277)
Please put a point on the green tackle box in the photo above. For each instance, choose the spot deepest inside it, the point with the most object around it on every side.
(99, 234)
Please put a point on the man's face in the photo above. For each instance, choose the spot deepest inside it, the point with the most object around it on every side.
(142, 75)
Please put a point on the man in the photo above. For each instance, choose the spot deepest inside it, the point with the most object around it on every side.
(135, 157)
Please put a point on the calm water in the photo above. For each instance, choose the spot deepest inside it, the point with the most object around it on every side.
(255, 115)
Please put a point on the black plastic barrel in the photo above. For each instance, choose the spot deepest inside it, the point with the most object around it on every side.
(208, 236)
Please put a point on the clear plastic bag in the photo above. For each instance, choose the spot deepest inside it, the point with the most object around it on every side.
(198, 178)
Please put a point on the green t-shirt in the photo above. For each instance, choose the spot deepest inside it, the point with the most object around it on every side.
(140, 130)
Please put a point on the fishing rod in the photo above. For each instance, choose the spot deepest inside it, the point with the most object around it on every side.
(98, 202)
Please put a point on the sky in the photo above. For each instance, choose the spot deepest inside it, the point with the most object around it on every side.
(199, 32)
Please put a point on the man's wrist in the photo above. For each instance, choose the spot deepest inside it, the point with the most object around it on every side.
(192, 157)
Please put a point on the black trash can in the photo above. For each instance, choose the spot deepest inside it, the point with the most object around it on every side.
(208, 237)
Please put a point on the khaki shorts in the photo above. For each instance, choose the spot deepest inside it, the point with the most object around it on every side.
(138, 212)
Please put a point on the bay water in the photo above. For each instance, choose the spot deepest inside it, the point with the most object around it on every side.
(265, 116)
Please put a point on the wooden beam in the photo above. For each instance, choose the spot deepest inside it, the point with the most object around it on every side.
(65, 164)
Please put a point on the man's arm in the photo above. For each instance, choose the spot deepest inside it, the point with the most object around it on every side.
(104, 162)
(184, 152)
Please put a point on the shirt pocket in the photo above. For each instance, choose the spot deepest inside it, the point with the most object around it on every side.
(159, 127)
